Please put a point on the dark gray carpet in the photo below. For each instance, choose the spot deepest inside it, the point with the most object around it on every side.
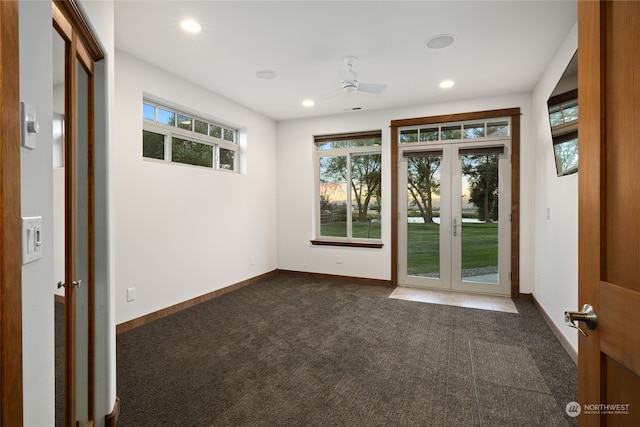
(295, 350)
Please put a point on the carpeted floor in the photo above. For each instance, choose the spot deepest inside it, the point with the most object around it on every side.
(300, 351)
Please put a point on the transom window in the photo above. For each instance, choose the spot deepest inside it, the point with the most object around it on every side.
(348, 190)
(564, 113)
(450, 132)
(172, 136)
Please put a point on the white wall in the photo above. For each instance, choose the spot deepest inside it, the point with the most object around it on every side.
(38, 280)
(36, 171)
(100, 16)
(296, 182)
(556, 238)
(184, 231)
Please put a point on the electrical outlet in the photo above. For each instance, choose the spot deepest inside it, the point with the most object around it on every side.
(338, 259)
(131, 294)
(252, 260)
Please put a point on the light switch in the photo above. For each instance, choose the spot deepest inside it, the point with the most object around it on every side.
(31, 239)
(30, 126)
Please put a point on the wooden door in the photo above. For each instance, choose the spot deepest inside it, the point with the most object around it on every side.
(609, 204)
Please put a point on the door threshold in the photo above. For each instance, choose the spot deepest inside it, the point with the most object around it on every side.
(457, 299)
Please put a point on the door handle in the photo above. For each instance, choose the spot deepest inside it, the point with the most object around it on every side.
(77, 283)
(587, 315)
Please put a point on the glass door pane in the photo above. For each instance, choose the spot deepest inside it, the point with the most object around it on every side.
(479, 218)
(423, 215)
(82, 271)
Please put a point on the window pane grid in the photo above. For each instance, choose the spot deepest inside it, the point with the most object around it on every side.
(173, 118)
(456, 131)
(175, 137)
(349, 190)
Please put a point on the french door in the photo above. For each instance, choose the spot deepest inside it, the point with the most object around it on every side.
(454, 226)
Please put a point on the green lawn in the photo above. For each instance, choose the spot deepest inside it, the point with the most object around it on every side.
(480, 243)
(361, 230)
(423, 248)
(479, 247)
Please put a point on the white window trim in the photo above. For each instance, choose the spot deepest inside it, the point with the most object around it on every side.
(173, 131)
(337, 152)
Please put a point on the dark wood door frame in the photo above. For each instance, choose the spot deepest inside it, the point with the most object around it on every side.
(10, 258)
(514, 114)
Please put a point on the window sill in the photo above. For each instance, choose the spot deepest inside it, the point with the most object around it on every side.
(348, 244)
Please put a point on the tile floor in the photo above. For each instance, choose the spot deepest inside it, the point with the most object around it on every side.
(482, 302)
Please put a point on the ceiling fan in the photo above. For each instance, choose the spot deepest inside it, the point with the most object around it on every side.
(351, 84)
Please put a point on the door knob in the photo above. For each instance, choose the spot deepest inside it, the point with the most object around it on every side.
(586, 315)
(77, 283)
(61, 285)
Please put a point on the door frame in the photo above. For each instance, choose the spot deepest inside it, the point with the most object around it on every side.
(11, 392)
(514, 114)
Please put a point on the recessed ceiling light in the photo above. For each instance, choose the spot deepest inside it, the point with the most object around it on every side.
(441, 41)
(266, 74)
(190, 26)
(446, 84)
(308, 103)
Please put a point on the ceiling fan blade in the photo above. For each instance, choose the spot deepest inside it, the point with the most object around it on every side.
(371, 88)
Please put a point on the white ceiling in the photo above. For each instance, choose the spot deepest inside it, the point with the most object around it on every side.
(501, 47)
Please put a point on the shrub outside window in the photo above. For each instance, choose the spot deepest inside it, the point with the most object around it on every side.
(172, 136)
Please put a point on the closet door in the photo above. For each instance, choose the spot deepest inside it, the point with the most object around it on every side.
(79, 220)
(79, 215)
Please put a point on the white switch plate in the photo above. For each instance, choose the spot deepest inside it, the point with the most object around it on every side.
(131, 294)
(29, 127)
(31, 239)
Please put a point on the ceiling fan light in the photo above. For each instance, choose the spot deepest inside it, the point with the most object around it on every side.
(350, 86)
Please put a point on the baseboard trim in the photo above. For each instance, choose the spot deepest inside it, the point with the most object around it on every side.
(159, 314)
(143, 320)
(556, 331)
(526, 297)
(111, 419)
(362, 280)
